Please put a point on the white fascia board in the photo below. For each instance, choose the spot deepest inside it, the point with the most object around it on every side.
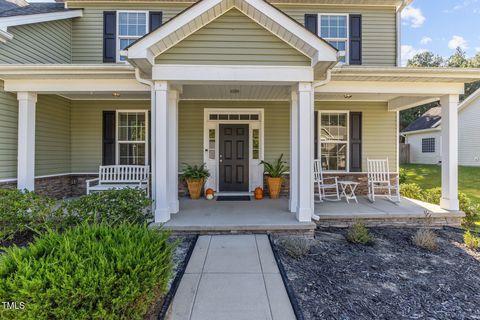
(277, 74)
(139, 49)
(37, 18)
(5, 36)
(74, 85)
(409, 133)
(401, 88)
(469, 100)
(404, 103)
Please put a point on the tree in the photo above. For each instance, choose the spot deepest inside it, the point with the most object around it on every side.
(426, 59)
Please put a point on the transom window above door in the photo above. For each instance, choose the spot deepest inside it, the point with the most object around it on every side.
(131, 25)
(132, 146)
(333, 132)
(334, 29)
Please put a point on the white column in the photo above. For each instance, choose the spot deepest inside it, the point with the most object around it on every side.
(293, 201)
(449, 199)
(160, 179)
(305, 208)
(173, 96)
(26, 140)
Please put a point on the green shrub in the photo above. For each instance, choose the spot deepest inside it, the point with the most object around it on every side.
(112, 207)
(88, 272)
(295, 247)
(402, 176)
(413, 191)
(22, 211)
(471, 240)
(358, 233)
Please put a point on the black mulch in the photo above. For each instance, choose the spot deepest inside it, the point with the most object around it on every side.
(391, 279)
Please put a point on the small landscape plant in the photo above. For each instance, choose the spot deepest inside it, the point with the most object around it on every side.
(402, 176)
(358, 233)
(112, 207)
(25, 211)
(471, 240)
(275, 169)
(195, 172)
(88, 272)
(296, 247)
(425, 239)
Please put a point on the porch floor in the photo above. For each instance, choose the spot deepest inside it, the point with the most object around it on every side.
(211, 216)
(203, 216)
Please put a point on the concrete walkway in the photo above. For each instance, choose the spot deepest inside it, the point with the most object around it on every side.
(232, 277)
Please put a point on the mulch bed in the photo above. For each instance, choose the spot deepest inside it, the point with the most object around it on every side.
(391, 279)
(20, 240)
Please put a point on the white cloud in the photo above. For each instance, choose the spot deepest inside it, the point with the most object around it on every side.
(426, 40)
(408, 52)
(413, 17)
(458, 41)
(477, 49)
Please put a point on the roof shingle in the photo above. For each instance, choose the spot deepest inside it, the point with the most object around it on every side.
(426, 121)
(9, 9)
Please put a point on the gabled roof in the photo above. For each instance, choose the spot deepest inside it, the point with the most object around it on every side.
(433, 117)
(9, 9)
(143, 52)
(428, 120)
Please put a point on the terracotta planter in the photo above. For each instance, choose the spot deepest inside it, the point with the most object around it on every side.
(195, 188)
(274, 187)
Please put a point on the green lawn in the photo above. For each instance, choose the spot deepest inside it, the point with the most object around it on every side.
(429, 176)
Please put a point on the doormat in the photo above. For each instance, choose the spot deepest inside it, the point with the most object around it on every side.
(233, 198)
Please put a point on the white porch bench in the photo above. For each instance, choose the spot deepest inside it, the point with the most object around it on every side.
(120, 177)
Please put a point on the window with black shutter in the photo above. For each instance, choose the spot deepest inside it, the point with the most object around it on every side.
(355, 141)
(108, 145)
(355, 39)
(109, 36)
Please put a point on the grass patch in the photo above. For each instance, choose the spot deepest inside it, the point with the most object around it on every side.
(429, 176)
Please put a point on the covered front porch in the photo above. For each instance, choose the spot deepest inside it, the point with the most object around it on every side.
(273, 216)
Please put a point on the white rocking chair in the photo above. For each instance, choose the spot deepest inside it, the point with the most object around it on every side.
(379, 178)
(325, 191)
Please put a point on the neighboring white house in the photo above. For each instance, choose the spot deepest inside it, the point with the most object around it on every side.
(424, 134)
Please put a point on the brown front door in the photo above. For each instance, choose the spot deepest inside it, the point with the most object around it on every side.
(233, 157)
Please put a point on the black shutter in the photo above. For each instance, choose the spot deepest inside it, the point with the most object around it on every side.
(108, 145)
(155, 20)
(355, 141)
(355, 39)
(109, 36)
(311, 23)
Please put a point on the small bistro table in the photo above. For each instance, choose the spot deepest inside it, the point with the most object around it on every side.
(348, 190)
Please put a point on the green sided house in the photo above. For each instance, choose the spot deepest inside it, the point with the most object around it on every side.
(228, 83)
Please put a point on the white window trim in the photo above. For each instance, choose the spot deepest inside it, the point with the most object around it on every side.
(118, 142)
(253, 124)
(118, 37)
(319, 142)
(347, 39)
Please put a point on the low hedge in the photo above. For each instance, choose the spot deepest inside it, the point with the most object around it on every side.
(112, 207)
(87, 272)
(414, 191)
(24, 211)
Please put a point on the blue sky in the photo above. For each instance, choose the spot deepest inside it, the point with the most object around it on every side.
(438, 26)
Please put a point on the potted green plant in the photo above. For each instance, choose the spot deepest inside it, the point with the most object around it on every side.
(275, 172)
(195, 177)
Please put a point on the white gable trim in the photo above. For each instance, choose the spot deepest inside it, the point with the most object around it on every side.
(206, 11)
(6, 22)
(474, 96)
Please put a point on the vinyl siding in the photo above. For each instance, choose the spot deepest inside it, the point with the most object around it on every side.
(469, 135)
(8, 134)
(87, 36)
(416, 154)
(379, 129)
(86, 131)
(42, 43)
(233, 38)
(190, 135)
(378, 30)
(52, 138)
(52, 135)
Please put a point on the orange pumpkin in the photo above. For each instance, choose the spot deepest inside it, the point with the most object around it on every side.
(209, 191)
(258, 193)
